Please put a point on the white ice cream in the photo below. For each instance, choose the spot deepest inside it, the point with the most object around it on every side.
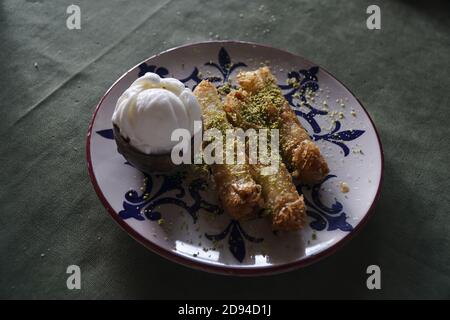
(151, 108)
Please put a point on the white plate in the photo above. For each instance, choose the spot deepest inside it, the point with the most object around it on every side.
(194, 232)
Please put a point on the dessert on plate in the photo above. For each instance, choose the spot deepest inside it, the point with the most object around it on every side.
(238, 192)
(259, 103)
(145, 116)
(153, 107)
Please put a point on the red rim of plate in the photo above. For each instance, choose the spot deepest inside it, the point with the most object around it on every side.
(228, 270)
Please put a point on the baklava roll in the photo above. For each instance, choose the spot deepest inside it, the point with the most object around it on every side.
(239, 194)
(263, 105)
(282, 202)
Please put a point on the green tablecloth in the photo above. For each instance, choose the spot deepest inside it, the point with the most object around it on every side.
(51, 79)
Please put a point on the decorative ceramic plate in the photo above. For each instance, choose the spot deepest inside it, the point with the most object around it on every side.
(177, 215)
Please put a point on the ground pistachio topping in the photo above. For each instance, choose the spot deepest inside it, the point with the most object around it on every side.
(262, 109)
(224, 89)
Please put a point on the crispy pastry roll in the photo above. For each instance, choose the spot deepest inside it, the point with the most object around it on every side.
(238, 192)
(282, 201)
(260, 103)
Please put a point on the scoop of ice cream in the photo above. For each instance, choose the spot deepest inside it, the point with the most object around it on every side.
(151, 109)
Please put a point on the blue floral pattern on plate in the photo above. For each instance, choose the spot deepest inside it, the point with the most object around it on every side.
(331, 218)
(145, 204)
(236, 235)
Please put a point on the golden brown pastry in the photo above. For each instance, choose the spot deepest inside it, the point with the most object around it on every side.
(282, 202)
(260, 104)
(238, 192)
